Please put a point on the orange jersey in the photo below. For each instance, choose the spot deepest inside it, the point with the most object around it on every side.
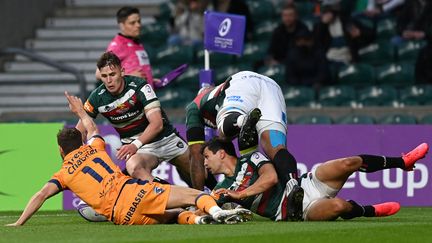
(90, 173)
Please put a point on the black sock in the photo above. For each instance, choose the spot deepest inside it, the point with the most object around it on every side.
(358, 211)
(124, 171)
(369, 211)
(210, 181)
(372, 163)
(230, 126)
(285, 165)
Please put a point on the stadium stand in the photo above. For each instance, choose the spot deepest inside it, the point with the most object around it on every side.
(313, 119)
(397, 119)
(337, 95)
(75, 35)
(355, 119)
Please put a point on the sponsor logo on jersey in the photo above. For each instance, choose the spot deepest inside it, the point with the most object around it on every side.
(180, 145)
(122, 108)
(148, 92)
(88, 107)
(158, 190)
(132, 84)
(235, 98)
(125, 116)
(101, 91)
(133, 207)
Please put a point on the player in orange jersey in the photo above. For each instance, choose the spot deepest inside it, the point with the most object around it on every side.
(89, 172)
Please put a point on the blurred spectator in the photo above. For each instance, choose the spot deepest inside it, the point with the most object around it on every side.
(340, 35)
(423, 67)
(305, 63)
(236, 7)
(283, 36)
(415, 21)
(188, 26)
(126, 46)
(375, 8)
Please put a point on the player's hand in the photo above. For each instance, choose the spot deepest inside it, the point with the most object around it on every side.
(75, 103)
(126, 151)
(13, 225)
(234, 194)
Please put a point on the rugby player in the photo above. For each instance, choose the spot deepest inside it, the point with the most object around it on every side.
(245, 101)
(127, 47)
(252, 182)
(88, 171)
(132, 107)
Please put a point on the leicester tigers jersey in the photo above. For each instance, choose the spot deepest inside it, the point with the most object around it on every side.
(126, 111)
(202, 111)
(268, 203)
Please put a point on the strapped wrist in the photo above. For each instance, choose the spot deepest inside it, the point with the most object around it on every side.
(137, 143)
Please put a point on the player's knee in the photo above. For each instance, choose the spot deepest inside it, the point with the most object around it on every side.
(340, 206)
(350, 163)
(227, 124)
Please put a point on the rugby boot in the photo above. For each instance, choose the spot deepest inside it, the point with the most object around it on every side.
(243, 214)
(386, 209)
(248, 136)
(206, 219)
(232, 216)
(414, 155)
(295, 201)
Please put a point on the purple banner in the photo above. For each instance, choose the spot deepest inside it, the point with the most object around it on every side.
(224, 32)
(314, 144)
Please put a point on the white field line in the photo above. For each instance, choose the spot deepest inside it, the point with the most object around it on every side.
(37, 215)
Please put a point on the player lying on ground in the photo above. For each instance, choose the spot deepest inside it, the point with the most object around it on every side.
(89, 172)
(230, 107)
(251, 181)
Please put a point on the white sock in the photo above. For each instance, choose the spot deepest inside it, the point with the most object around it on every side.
(214, 210)
(240, 120)
(197, 219)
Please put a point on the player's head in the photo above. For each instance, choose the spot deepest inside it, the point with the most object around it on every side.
(111, 72)
(129, 21)
(215, 152)
(69, 139)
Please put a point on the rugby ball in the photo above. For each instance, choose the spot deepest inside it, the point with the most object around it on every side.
(89, 213)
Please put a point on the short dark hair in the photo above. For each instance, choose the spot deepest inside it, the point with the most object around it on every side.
(217, 143)
(290, 6)
(124, 12)
(69, 139)
(108, 59)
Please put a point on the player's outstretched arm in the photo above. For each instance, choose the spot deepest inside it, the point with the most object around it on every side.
(36, 202)
(76, 106)
(267, 179)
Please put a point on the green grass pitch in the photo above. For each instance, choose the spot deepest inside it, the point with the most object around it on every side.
(409, 225)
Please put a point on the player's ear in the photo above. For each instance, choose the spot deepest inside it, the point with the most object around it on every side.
(122, 72)
(61, 152)
(221, 153)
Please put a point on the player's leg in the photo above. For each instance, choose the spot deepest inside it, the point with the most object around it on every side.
(182, 163)
(334, 173)
(377, 210)
(183, 197)
(190, 217)
(140, 166)
(372, 163)
(273, 143)
(327, 209)
(331, 209)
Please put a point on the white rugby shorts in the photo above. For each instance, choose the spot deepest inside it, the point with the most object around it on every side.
(165, 149)
(249, 90)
